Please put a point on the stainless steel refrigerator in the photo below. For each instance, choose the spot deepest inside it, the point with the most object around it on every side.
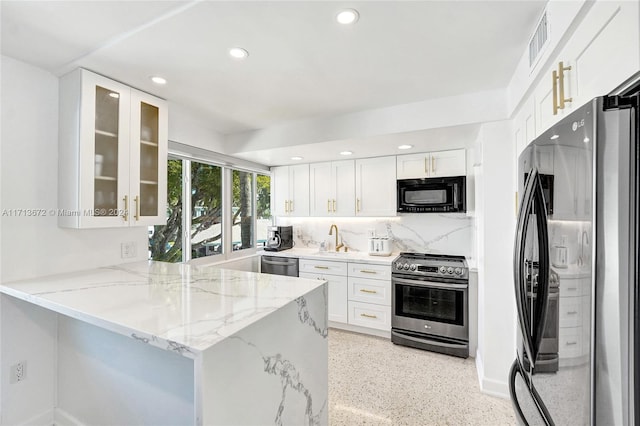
(576, 268)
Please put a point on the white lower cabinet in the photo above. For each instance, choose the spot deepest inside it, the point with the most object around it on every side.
(574, 318)
(359, 293)
(370, 315)
(337, 297)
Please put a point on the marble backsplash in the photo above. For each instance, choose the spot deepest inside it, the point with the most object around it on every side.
(452, 233)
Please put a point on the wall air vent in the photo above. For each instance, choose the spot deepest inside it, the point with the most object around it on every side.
(538, 40)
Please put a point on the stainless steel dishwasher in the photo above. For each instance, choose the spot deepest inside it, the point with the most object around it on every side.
(277, 265)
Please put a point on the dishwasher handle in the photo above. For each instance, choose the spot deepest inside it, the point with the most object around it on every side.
(291, 262)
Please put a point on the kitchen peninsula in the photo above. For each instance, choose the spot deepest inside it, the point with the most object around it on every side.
(159, 343)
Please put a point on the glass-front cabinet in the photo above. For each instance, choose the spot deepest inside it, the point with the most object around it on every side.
(113, 154)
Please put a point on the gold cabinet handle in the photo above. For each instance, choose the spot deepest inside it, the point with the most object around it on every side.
(426, 165)
(366, 271)
(554, 76)
(561, 70)
(364, 290)
(125, 214)
(286, 204)
(290, 205)
(368, 316)
(571, 343)
(334, 206)
(137, 201)
(572, 313)
(433, 164)
(328, 206)
(321, 267)
(357, 204)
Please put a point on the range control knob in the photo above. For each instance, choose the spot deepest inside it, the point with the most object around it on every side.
(406, 267)
(413, 267)
(458, 271)
(450, 270)
(443, 270)
(398, 265)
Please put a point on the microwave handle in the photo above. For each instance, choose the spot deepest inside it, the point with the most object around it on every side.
(455, 195)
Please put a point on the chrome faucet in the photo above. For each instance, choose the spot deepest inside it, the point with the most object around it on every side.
(584, 237)
(338, 246)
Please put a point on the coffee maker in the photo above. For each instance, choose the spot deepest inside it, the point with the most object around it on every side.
(279, 238)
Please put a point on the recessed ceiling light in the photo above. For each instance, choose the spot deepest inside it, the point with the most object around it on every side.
(114, 95)
(554, 137)
(346, 153)
(238, 53)
(347, 16)
(405, 146)
(296, 158)
(158, 80)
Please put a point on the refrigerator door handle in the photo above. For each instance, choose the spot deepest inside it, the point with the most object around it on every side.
(542, 300)
(519, 274)
(516, 369)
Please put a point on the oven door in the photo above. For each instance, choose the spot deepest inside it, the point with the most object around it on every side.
(435, 308)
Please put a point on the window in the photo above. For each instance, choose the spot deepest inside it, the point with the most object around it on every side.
(197, 191)
(206, 210)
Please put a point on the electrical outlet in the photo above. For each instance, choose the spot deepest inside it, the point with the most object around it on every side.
(371, 233)
(128, 250)
(18, 372)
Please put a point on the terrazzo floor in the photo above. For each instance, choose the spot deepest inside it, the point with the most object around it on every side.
(374, 382)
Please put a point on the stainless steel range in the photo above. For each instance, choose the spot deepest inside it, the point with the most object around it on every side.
(430, 303)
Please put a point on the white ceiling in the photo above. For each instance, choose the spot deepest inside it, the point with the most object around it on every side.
(302, 64)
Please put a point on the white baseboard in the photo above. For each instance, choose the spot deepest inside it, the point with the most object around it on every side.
(62, 418)
(490, 386)
(41, 419)
(358, 329)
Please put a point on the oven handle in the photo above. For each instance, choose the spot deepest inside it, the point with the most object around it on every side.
(430, 284)
(431, 342)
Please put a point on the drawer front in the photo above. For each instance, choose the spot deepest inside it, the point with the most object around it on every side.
(370, 291)
(571, 311)
(324, 267)
(370, 315)
(364, 270)
(571, 287)
(570, 342)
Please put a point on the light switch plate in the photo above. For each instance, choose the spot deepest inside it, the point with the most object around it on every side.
(128, 250)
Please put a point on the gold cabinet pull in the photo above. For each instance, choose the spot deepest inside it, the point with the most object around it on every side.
(366, 271)
(572, 313)
(334, 206)
(571, 343)
(321, 267)
(426, 165)
(368, 316)
(290, 205)
(561, 70)
(137, 201)
(328, 206)
(125, 214)
(433, 164)
(364, 290)
(357, 204)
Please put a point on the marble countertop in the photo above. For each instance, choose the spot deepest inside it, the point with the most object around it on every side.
(350, 256)
(177, 307)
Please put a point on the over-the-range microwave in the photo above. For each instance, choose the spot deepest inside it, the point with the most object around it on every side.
(432, 195)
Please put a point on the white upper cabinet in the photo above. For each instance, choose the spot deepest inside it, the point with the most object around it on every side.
(112, 154)
(432, 164)
(376, 186)
(572, 184)
(332, 187)
(600, 55)
(290, 190)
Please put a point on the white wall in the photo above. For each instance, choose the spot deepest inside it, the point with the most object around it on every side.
(35, 246)
(186, 129)
(496, 226)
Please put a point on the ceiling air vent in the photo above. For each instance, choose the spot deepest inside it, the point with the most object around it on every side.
(538, 40)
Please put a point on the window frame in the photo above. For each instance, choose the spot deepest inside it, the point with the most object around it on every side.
(227, 164)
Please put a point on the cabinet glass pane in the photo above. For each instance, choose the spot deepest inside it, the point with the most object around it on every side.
(106, 152)
(242, 210)
(148, 159)
(206, 213)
